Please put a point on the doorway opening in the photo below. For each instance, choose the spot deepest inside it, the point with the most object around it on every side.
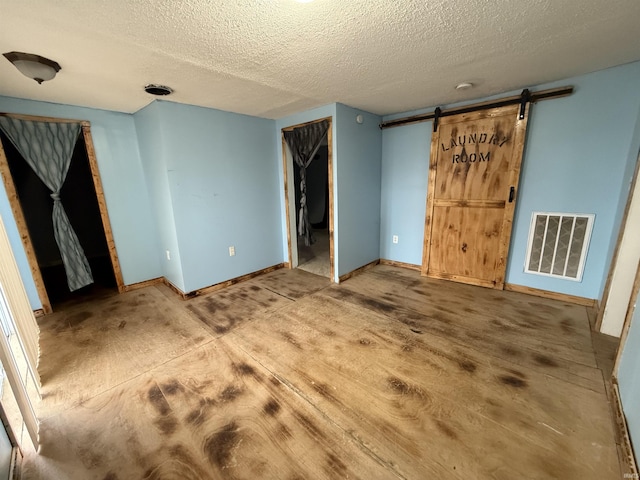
(309, 198)
(83, 200)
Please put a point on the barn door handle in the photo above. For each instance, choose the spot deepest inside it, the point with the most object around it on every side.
(464, 247)
(512, 192)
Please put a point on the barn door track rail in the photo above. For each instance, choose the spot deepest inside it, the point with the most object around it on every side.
(523, 99)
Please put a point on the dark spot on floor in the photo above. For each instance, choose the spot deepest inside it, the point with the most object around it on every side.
(566, 325)
(398, 385)
(158, 401)
(246, 371)
(167, 425)
(110, 476)
(218, 447)
(335, 467)
(512, 381)
(510, 351)
(229, 394)
(221, 328)
(377, 305)
(271, 408)
(284, 432)
(172, 387)
(275, 381)
(415, 330)
(517, 373)
(198, 339)
(324, 390)
(122, 324)
(365, 341)
(309, 425)
(77, 318)
(467, 366)
(198, 415)
(255, 288)
(446, 429)
(544, 360)
(291, 339)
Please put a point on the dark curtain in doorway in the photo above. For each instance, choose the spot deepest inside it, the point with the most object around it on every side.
(304, 143)
(48, 147)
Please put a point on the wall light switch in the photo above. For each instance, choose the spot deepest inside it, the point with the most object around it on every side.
(168, 255)
(232, 251)
(395, 239)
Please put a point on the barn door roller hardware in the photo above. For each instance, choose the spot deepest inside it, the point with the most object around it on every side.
(436, 117)
(525, 97)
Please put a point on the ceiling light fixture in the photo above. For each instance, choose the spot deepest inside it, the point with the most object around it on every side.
(33, 66)
(159, 90)
(464, 86)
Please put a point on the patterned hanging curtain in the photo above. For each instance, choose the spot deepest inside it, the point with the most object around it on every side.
(48, 147)
(304, 143)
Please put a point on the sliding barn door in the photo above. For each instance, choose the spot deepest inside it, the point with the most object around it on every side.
(473, 180)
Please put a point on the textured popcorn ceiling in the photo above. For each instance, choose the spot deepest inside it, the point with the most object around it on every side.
(271, 58)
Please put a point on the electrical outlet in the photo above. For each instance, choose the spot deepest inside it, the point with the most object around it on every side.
(395, 239)
(168, 255)
(232, 251)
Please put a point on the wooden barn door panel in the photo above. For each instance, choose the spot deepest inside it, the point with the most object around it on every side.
(471, 230)
(475, 164)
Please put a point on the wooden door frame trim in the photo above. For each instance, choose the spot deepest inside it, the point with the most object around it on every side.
(627, 321)
(21, 223)
(287, 206)
(23, 231)
(616, 252)
(102, 206)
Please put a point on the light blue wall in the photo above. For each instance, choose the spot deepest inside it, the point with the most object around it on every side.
(356, 164)
(405, 171)
(629, 378)
(358, 149)
(125, 190)
(577, 159)
(152, 143)
(223, 182)
(18, 249)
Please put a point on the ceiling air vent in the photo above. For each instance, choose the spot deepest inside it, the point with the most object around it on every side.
(558, 244)
(159, 90)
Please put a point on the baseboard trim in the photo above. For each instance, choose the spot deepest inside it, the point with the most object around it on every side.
(233, 281)
(393, 263)
(627, 455)
(146, 283)
(585, 302)
(357, 271)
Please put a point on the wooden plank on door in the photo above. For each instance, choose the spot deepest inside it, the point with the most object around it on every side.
(473, 181)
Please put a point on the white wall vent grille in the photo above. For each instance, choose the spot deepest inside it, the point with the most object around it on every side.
(558, 244)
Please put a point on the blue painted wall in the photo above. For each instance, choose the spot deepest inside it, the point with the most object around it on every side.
(405, 172)
(629, 378)
(222, 174)
(125, 190)
(358, 150)
(152, 143)
(577, 159)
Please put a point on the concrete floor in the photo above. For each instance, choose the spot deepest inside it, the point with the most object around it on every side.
(388, 375)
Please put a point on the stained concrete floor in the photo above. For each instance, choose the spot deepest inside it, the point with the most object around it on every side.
(388, 375)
